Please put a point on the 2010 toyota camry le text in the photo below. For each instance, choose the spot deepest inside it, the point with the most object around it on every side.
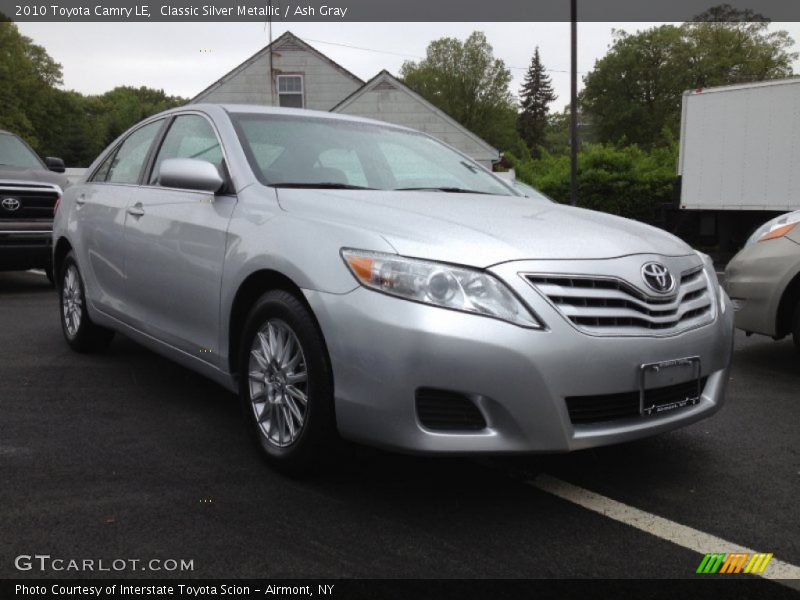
(354, 278)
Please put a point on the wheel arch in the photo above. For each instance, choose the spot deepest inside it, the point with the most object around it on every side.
(250, 290)
(786, 307)
(62, 248)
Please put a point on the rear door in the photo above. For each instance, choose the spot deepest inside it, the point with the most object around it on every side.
(175, 242)
(100, 212)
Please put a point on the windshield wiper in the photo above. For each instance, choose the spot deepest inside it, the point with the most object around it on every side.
(321, 186)
(449, 190)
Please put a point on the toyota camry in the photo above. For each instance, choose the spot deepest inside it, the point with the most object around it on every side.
(347, 277)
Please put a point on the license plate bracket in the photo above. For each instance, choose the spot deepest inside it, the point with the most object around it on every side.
(682, 373)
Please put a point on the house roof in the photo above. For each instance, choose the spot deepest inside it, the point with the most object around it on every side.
(385, 80)
(286, 41)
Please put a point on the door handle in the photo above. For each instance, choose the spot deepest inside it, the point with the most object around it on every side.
(80, 200)
(136, 210)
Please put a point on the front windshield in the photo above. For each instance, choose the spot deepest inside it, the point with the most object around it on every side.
(299, 151)
(13, 153)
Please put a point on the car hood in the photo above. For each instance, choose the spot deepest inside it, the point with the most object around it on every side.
(481, 230)
(9, 173)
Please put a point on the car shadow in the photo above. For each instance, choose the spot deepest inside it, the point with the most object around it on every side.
(763, 354)
(23, 282)
(159, 384)
(166, 385)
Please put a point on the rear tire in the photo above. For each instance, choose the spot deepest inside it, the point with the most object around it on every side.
(81, 333)
(796, 327)
(285, 383)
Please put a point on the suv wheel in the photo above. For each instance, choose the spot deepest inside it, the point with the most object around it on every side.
(81, 334)
(285, 382)
(796, 327)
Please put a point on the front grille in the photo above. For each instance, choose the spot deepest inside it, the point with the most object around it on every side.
(606, 305)
(36, 202)
(448, 411)
(625, 405)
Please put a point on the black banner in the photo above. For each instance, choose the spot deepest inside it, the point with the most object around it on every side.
(336, 11)
(402, 589)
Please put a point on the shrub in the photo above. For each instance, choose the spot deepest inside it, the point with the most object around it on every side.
(625, 181)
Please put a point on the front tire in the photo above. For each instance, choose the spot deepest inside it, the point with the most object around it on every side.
(81, 333)
(285, 383)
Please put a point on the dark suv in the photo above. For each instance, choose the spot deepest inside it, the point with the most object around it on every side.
(29, 191)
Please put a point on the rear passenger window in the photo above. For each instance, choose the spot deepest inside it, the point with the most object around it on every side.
(129, 159)
(190, 136)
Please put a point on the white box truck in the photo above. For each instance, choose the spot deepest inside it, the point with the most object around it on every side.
(739, 162)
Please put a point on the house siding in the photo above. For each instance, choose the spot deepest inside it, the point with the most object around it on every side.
(324, 84)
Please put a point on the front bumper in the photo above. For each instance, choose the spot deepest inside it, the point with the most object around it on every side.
(756, 279)
(25, 245)
(384, 349)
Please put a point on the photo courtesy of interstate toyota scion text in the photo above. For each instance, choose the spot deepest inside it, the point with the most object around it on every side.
(352, 278)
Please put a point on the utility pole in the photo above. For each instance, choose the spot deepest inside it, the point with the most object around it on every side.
(271, 70)
(573, 122)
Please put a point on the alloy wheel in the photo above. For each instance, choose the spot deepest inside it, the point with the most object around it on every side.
(278, 383)
(72, 301)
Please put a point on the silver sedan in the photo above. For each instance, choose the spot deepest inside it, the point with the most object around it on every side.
(764, 279)
(348, 277)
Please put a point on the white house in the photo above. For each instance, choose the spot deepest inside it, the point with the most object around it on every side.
(303, 77)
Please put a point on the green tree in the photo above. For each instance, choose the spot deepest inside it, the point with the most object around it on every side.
(58, 122)
(634, 92)
(118, 109)
(27, 79)
(466, 81)
(536, 95)
(727, 46)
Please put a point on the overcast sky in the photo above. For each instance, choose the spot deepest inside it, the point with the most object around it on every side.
(184, 58)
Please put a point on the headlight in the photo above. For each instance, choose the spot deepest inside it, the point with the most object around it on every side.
(775, 228)
(438, 284)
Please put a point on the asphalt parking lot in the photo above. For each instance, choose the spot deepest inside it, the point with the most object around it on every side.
(127, 455)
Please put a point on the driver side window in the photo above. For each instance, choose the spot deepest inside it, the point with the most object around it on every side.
(190, 136)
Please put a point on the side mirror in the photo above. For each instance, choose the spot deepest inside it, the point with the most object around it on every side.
(190, 174)
(55, 164)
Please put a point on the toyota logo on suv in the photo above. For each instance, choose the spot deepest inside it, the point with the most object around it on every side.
(10, 204)
(658, 278)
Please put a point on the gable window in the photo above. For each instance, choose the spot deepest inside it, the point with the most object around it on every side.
(290, 91)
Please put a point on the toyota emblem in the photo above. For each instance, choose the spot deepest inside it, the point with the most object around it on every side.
(658, 278)
(10, 204)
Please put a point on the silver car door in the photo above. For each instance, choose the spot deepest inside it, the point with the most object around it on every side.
(100, 212)
(175, 242)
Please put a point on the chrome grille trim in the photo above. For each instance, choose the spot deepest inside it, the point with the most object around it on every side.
(37, 200)
(607, 305)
